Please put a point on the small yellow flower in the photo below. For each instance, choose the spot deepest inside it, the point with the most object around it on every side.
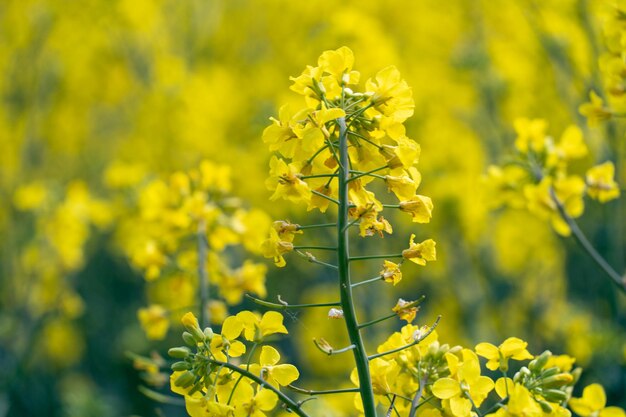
(594, 110)
(275, 248)
(391, 272)
(403, 310)
(284, 180)
(420, 207)
(419, 253)
(403, 187)
(465, 379)
(531, 134)
(256, 328)
(593, 402)
(600, 183)
(154, 321)
(498, 357)
(267, 368)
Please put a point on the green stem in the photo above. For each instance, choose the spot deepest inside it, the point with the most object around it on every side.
(325, 196)
(315, 247)
(616, 278)
(286, 306)
(418, 396)
(202, 275)
(316, 226)
(289, 403)
(306, 177)
(362, 258)
(313, 392)
(250, 354)
(424, 336)
(367, 281)
(362, 174)
(314, 260)
(394, 314)
(345, 288)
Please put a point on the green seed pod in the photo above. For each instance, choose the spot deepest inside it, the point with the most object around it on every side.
(180, 352)
(185, 379)
(545, 406)
(181, 366)
(576, 375)
(555, 395)
(189, 340)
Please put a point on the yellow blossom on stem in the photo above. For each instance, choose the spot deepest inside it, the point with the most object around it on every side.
(391, 272)
(498, 357)
(593, 402)
(464, 382)
(274, 248)
(600, 183)
(419, 253)
(267, 368)
(285, 181)
(420, 207)
(594, 110)
(404, 310)
(155, 321)
(256, 327)
(531, 134)
(249, 403)
(403, 186)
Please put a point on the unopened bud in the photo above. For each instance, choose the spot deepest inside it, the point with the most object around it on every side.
(545, 406)
(180, 352)
(540, 361)
(181, 366)
(188, 338)
(208, 333)
(185, 379)
(554, 395)
(557, 380)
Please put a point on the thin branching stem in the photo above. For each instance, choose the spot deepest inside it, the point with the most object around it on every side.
(345, 288)
(322, 392)
(289, 403)
(325, 196)
(582, 240)
(285, 306)
(365, 257)
(422, 337)
(202, 274)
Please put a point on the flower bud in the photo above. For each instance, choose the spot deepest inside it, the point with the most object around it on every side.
(545, 406)
(555, 395)
(181, 366)
(540, 361)
(185, 379)
(180, 352)
(188, 338)
(557, 380)
(208, 333)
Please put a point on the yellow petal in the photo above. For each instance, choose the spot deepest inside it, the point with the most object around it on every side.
(446, 388)
(266, 399)
(284, 374)
(232, 328)
(488, 351)
(269, 356)
(612, 412)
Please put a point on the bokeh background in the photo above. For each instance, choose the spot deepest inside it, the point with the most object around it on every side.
(100, 96)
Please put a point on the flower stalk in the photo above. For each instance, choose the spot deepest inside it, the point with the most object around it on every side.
(345, 288)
